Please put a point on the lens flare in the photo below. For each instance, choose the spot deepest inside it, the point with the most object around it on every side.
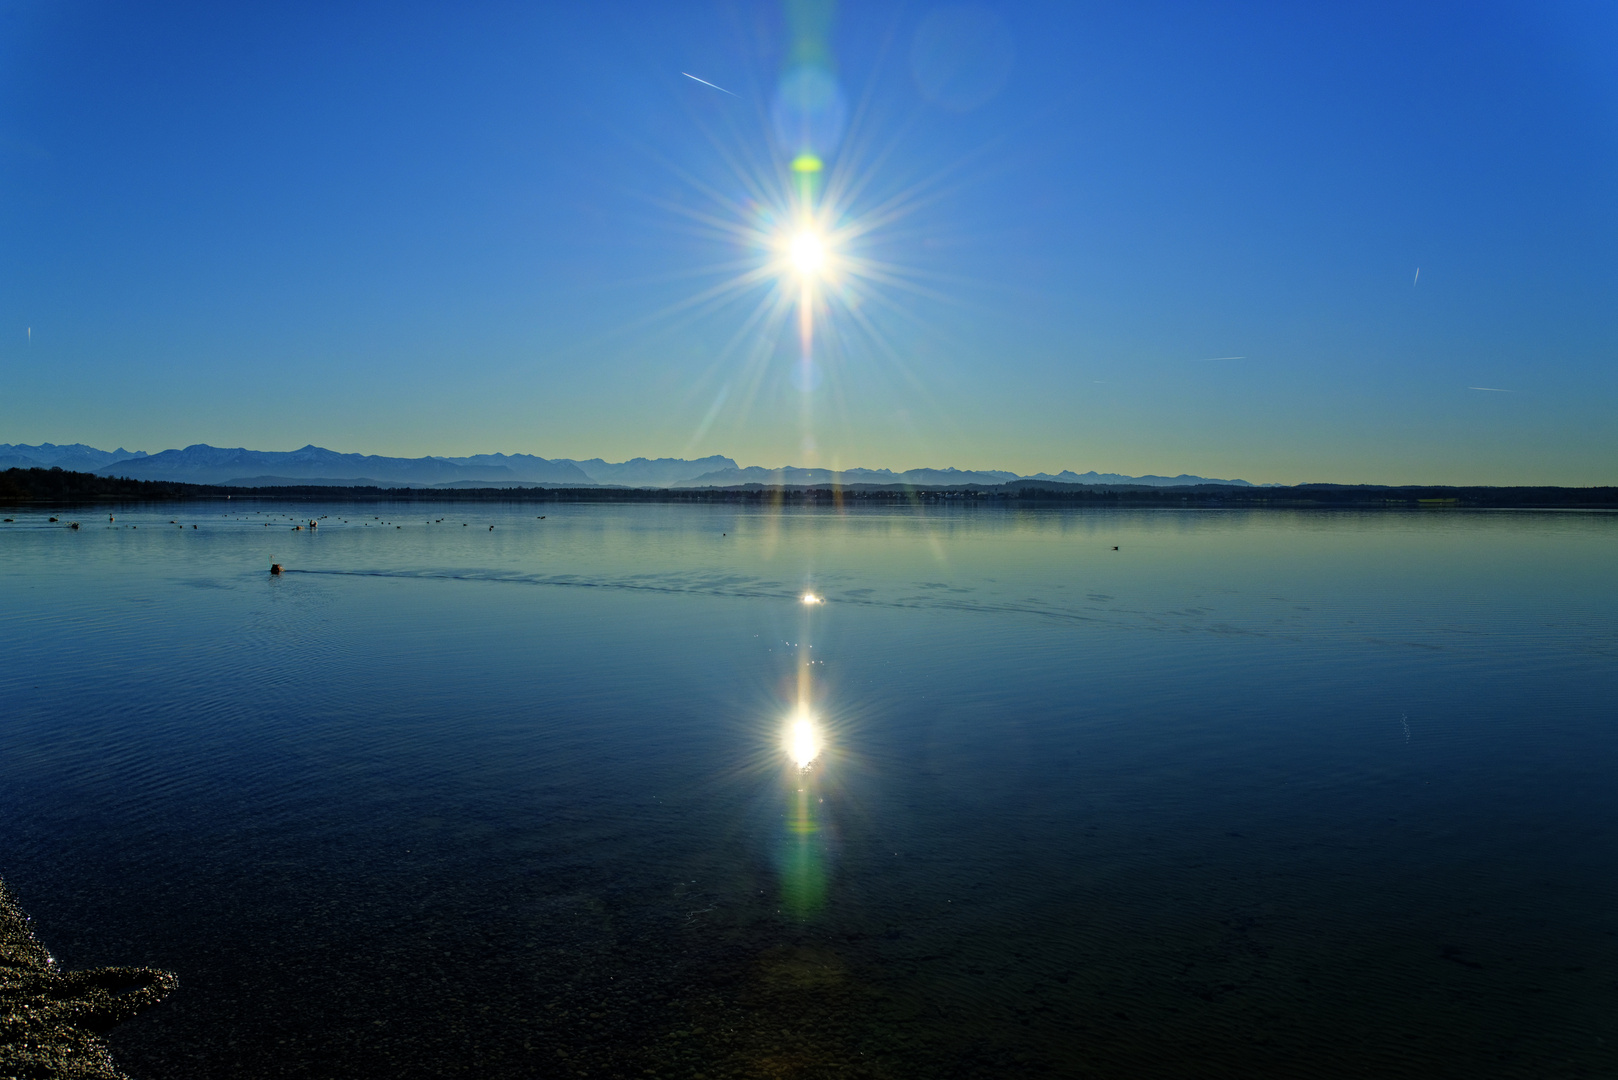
(803, 740)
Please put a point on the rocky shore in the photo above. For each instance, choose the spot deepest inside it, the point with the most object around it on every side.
(53, 1023)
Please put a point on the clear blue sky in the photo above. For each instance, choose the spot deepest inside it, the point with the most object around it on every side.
(414, 229)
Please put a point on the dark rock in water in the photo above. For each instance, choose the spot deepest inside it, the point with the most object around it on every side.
(52, 1022)
(275, 568)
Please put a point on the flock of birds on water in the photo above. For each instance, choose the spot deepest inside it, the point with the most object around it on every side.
(314, 523)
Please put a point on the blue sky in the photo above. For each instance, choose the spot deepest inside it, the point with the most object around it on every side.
(413, 229)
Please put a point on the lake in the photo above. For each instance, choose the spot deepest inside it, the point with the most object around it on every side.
(1098, 793)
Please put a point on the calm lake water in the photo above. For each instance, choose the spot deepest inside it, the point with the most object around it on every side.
(1100, 793)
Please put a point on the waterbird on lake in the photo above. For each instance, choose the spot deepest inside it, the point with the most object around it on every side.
(275, 568)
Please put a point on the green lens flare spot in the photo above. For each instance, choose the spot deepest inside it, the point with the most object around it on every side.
(806, 163)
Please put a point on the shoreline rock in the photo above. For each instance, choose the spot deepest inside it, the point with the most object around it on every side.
(53, 1023)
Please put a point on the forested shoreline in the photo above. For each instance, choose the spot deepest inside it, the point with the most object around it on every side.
(60, 486)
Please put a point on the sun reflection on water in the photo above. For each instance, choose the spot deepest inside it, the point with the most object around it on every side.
(803, 739)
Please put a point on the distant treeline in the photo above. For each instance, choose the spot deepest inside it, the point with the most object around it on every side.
(59, 486)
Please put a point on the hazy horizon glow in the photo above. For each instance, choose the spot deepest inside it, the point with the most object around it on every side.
(1373, 245)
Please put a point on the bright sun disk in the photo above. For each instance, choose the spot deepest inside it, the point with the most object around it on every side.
(807, 252)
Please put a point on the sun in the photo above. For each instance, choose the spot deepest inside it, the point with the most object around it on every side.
(807, 253)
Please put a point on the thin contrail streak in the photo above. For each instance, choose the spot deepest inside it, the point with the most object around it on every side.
(1491, 389)
(1210, 359)
(705, 82)
(1417, 278)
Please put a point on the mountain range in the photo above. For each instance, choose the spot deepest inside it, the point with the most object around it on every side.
(314, 465)
(75, 458)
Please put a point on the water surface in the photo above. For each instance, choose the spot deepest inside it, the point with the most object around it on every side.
(1103, 793)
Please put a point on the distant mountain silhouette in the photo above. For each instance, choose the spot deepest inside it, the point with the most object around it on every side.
(371, 481)
(75, 458)
(792, 475)
(1067, 476)
(643, 472)
(314, 465)
(204, 464)
(522, 467)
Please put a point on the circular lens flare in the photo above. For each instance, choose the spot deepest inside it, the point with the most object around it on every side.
(803, 740)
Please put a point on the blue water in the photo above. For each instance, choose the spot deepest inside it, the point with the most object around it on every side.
(1256, 793)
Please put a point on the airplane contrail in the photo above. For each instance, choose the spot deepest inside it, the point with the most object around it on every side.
(1491, 389)
(1418, 277)
(705, 82)
(1210, 359)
